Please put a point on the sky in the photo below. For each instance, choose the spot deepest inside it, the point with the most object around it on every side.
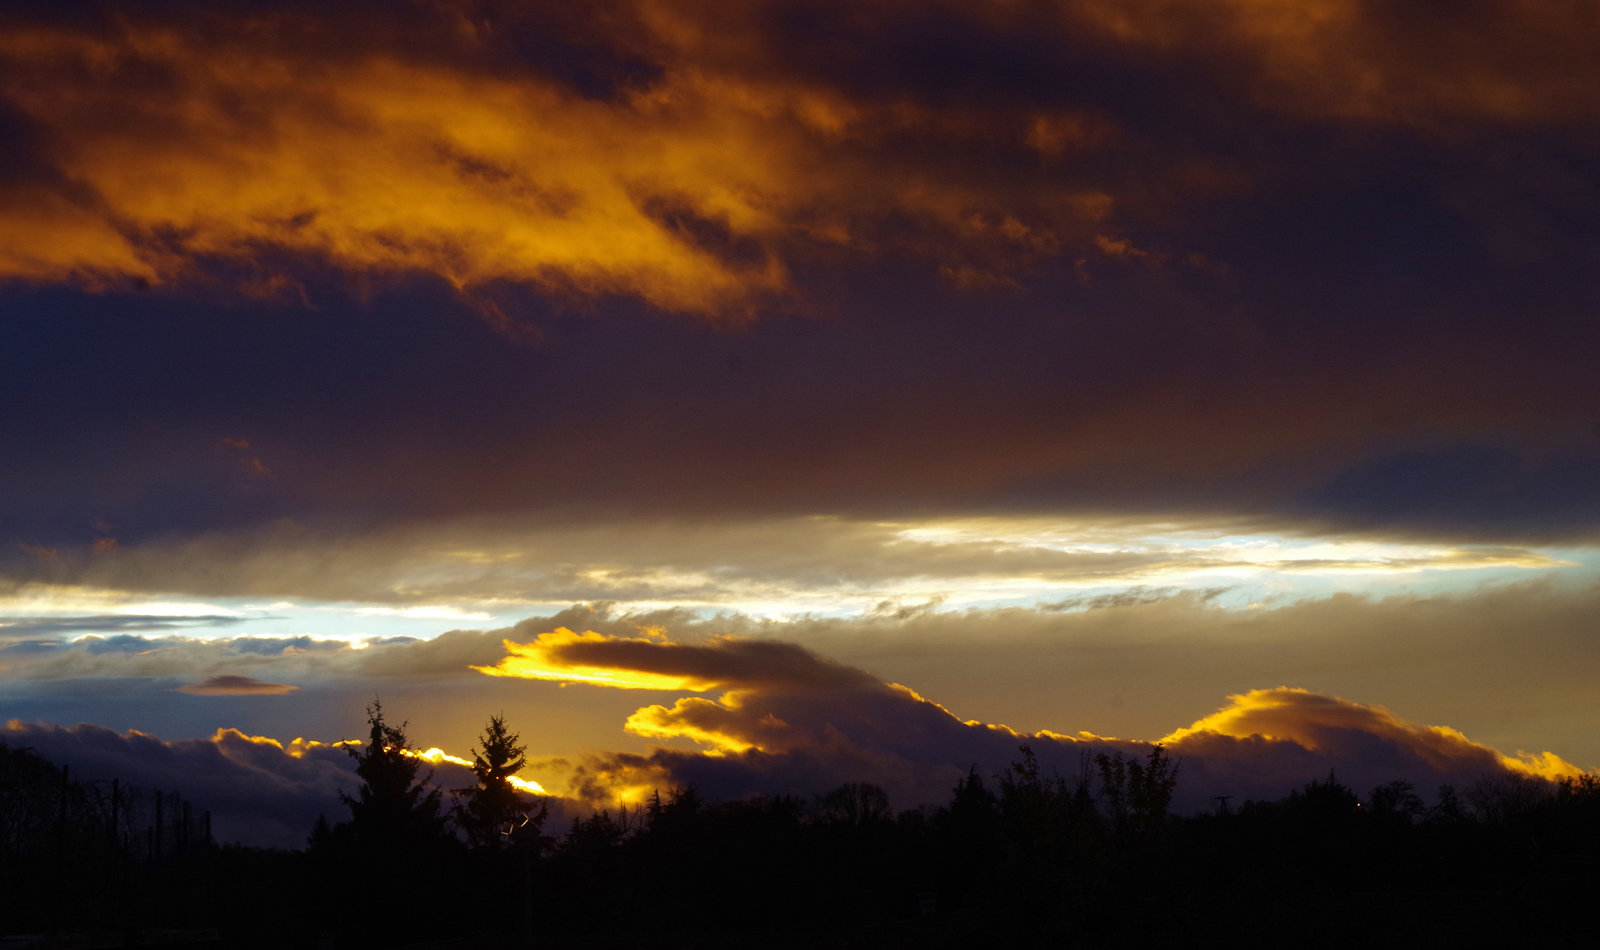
(777, 394)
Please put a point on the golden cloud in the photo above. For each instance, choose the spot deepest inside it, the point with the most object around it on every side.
(652, 661)
(1319, 722)
(790, 718)
(559, 656)
(683, 192)
(437, 756)
(712, 724)
(375, 165)
(164, 146)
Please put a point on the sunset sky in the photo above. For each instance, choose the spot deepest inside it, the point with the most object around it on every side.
(775, 394)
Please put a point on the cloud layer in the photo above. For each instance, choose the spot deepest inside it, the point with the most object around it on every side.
(684, 155)
(1322, 266)
(1133, 663)
(787, 721)
(1073, 362)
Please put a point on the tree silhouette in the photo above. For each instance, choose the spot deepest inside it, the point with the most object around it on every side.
(394, 808)
(1397, 802)
(493, 813)
(856, 805)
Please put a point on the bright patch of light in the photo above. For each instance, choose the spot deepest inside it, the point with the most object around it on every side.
(835, 567)
(424, 612)
(557, 656)
(437, 756)
(53, 600)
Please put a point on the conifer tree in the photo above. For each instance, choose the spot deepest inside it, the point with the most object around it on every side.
(493, 812)
(394, 806)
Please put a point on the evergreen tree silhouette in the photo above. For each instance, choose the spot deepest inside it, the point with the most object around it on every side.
(394, 808)
(493, 813)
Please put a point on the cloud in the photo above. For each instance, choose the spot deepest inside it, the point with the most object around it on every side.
(791, 311)
(653, 662)
(686, 156)
(1366, 745)
(788, 721)
(783, 720)
(257, 791)
(463, 146)
(1127, 662)
(687, 190)
(1154, 215)
(740, 563)
(50, 626)
(230, 685)
(1361, 62)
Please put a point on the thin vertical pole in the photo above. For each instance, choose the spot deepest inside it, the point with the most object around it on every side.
(61, 851)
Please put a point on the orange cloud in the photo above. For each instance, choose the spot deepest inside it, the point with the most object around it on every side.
(377, 165)
(790, 721)
(1322, 723)
(560, 655)
(437, 756)
(717, 725)
(654, 662)
(421, 147)
(688, 192)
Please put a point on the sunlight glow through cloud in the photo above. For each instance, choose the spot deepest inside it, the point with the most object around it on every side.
(942, 564)
(58, 600)
(1314, 721)
(544, 659)
(436, 756)
(1077, 363)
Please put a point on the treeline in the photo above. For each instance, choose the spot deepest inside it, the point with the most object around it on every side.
(1091, 859)
(96, 856)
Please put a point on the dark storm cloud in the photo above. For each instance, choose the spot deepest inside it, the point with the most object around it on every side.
(1468, 489)
(1316, 265)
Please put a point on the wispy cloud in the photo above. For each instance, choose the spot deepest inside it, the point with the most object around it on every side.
(54, 627)
(461, 570)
